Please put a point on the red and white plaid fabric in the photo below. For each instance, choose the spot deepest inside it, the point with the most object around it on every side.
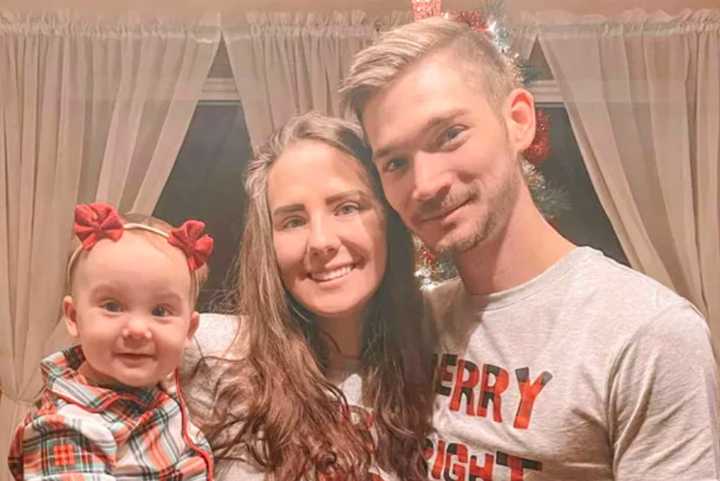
(80, 432)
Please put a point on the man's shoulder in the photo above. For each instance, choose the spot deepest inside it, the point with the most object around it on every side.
(586, 286)
(600, 280)
(611, 302)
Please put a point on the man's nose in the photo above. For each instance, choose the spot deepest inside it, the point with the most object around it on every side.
(431, 179)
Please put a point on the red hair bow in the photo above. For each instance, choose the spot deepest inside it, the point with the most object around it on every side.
(192, 240)
(97, 221)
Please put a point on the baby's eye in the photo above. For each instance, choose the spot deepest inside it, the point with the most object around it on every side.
(112, 306)
(160, 311)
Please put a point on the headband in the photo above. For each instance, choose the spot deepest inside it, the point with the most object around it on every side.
(97, 221)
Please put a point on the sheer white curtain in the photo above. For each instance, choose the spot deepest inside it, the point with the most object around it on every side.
(643, 95)
(90, 109)
(285, 64)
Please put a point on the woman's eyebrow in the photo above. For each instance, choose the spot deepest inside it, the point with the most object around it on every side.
(349, 194)
(287, 209)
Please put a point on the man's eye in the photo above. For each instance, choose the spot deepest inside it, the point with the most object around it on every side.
(160, 311)
(112, 306)
(452, 133)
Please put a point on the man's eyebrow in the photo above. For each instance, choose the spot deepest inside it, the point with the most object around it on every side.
(430, 124)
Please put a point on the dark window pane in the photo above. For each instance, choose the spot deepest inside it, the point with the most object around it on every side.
(585, 223)
(206, 183)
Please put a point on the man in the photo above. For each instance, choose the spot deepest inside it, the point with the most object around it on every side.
(554, 362)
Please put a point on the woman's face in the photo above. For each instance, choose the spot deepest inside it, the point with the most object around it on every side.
(328, 230)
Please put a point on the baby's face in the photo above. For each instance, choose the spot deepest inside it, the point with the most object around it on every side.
(131, 309)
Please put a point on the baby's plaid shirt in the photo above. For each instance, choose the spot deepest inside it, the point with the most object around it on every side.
(80, 432)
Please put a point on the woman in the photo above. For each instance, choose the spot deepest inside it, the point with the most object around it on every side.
(329, 321)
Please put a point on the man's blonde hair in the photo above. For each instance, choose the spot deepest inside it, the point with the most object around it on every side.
(395, 51)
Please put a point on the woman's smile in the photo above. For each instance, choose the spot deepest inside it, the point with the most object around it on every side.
(332, 274)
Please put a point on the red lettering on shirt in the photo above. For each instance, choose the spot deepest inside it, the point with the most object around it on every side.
(456, 462)
(528, 394)
(465, 386)
(492, 391)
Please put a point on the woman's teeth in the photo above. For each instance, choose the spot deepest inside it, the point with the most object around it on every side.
(330, 275)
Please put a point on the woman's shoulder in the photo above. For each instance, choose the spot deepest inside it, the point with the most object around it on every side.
(215, 334)
(218, 338)
(209, 368)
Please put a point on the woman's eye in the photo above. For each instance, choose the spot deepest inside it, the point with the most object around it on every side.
(160, 311)
(347, 209)
(393, 165)
(292, 223)
(112, 306)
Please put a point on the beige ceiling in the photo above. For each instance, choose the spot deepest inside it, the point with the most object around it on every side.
(195, 7)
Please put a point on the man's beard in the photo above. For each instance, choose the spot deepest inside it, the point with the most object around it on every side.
(481, 230)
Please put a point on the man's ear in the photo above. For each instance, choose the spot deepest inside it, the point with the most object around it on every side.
(70, 316)
(519, 111)
(194, 323)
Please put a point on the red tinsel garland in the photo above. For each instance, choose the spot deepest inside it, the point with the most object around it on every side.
(539, 150)
(426, 8)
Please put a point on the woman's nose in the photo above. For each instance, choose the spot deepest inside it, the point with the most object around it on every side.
(323, 240)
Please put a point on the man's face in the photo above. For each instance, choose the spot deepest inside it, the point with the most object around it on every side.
(448, 163)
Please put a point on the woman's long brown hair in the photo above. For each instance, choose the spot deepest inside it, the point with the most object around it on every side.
(275, 403)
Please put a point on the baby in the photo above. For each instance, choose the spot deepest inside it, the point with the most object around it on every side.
(112, 408)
